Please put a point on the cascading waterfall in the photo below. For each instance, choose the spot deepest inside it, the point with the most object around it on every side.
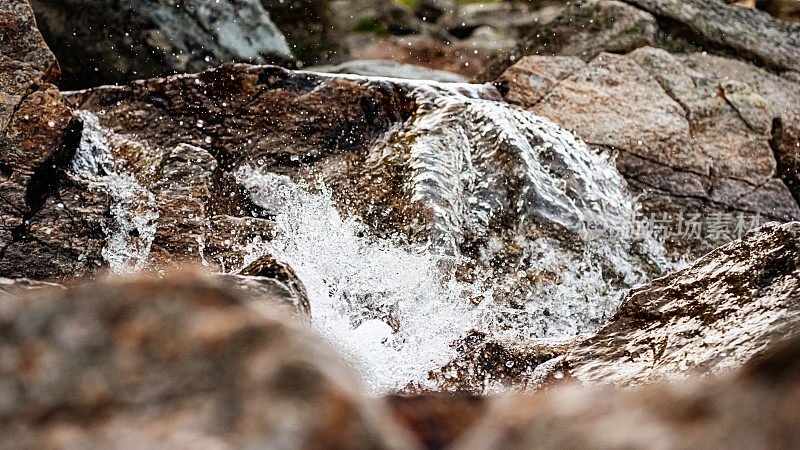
(129, 237)
(396, 309)
(489, 175)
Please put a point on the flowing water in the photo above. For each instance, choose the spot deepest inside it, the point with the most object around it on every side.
(491, 178)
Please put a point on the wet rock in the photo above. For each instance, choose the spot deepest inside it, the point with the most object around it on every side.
(20, 40)
(52, 224)
(267, 266)
(718, 314)
(20, 286)
(176, 361)
(683, 143)
(385, 68)
(104, 44)
(756, 407)
(269, 293)
(486, 365)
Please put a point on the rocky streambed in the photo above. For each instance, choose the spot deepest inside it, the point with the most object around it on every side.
(256, 256)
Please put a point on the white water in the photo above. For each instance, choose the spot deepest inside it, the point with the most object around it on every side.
(130, 235)
(395, 310)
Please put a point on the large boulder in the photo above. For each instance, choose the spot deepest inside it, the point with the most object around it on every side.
(52, 223)
(720, 313)
(755, 408)
(697, 136)
(588, 27)
(112, 42)
(178, 361)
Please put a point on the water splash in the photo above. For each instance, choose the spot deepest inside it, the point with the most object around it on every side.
(129, 237)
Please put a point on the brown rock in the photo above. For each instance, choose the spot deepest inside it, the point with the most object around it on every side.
(436, 419)
(487, 365)
(718, 314)
(755, 408)
(52, 224)
(179, 361)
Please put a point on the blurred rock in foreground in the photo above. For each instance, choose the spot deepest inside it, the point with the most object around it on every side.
(757, 407)
(180, 361)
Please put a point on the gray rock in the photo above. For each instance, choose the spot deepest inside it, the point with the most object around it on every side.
(103, 44)
(745, 31)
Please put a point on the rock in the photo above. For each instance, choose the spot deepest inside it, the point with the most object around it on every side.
(723, 311)
(52, 223)
(310, 28)
(486, 365)
(588, 28)
(512, 18)
(436, 419)
(282, 274)
(458, 56)
(782, 9)
(693, 132)
(105, 44)
(173, 362)
(435, 10)
(528, 81)
(756, 407)
(20, 286)
(744, 31)
(20, 40)
(385, 68)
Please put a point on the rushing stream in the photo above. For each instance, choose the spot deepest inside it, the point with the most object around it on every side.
(508, 195)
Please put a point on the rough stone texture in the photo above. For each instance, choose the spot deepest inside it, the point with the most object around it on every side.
(528, 81)
(694, 133)
(782, 9)
(486, 365)
(756, 408)
(278, 115)
(747, 32)
(720, 313)
(108, 42)
(179, 361)
(197, 129)
(587, 28)
(51, 224)
(21, 41)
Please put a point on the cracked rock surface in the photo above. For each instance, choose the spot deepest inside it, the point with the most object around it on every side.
(695, 134)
